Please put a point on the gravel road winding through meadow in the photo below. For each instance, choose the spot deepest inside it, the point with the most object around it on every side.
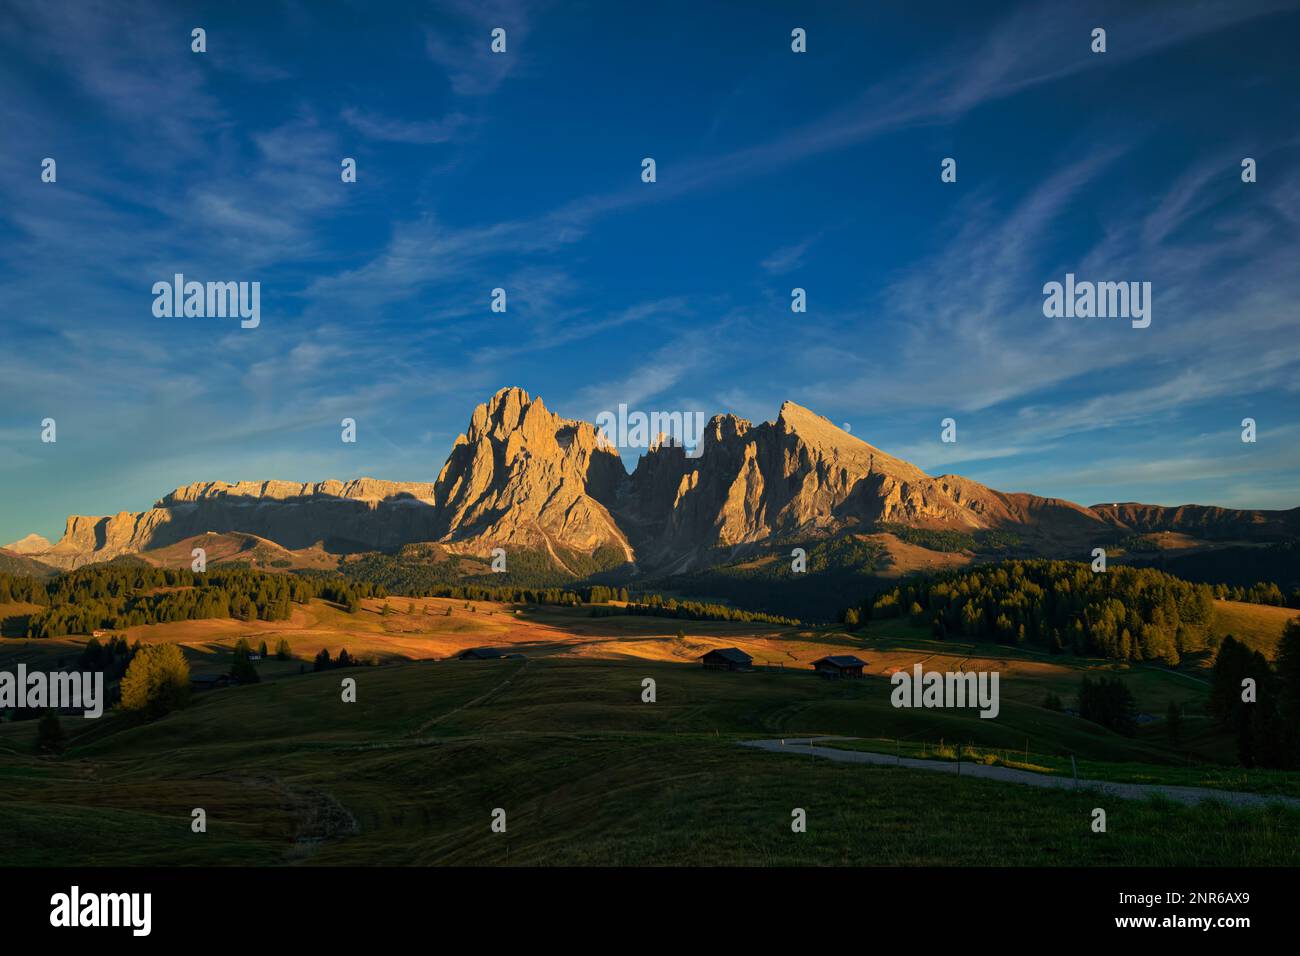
(1128, 791)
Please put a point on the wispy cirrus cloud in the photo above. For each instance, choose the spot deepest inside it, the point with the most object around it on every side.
(1021, 52)
(462, 46)
(788, 258)
(375, 293)
(389, 130)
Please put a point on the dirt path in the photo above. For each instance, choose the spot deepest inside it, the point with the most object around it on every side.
(1127, 791)
(469, 703)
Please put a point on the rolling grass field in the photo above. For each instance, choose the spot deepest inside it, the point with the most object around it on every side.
(1257, 625)
(587, 774)
(590, 774)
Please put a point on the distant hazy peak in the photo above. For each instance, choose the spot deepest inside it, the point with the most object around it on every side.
(32, 544)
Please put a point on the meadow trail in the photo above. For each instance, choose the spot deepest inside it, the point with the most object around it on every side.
(482, 698)
(1128, 791)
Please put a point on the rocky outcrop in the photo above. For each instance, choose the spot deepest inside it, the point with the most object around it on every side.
(801, 474)
(523, 477)
(360, 515)
(359, 489)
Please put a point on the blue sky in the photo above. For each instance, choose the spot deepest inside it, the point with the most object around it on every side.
(522, 170)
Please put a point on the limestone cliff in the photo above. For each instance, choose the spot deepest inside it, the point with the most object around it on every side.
(523, 477)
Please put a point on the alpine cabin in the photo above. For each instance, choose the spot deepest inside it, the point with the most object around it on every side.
(727, 659)
(839, 665)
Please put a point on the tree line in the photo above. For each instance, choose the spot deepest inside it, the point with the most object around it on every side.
(952, 541)
(324, 662)
(420, 569)
(1259, 702)
(766, 581)
(511, 594)
(115, 597)
(1124, 613)
(599, 596)
(1262, 592)
(658, 606)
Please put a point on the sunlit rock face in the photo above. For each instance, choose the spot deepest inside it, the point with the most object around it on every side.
(523, 477)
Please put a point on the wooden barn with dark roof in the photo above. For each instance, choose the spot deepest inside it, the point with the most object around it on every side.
(727, 659)
(839, 665)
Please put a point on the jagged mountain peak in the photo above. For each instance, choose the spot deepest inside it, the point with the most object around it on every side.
(522, 476)
(834, 444)
(505, 412)
(793, 412)
(815, 429)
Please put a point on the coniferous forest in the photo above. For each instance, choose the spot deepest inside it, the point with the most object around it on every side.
(1124, 613)
(117, 596)
(1258, 702)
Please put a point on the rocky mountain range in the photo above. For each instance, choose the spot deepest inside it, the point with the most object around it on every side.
(523, 477)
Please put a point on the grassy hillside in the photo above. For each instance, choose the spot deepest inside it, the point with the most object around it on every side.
(1259, 626)
(587, 772)
(14, 616)
(239, 548)
(1241, 565)
(11, 562)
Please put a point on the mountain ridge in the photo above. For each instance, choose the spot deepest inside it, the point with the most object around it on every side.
(521, 476)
